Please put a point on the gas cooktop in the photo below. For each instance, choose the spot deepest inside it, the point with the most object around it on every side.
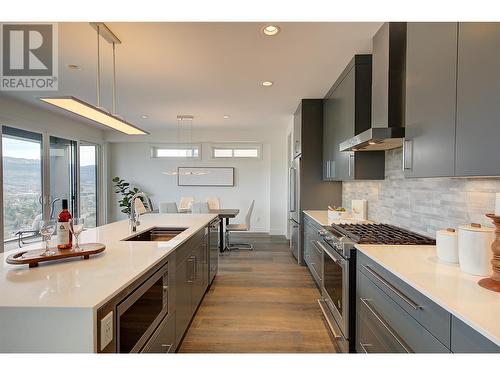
(383, 234)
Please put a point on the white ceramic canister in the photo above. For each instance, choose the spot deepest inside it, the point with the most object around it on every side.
(447, 245)
(474, 249)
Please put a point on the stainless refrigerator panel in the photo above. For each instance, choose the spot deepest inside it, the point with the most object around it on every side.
(295, 190)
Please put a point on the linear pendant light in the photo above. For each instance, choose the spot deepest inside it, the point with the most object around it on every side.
(84, 109)
(89, 111)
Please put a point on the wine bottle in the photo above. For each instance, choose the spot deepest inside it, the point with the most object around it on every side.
(64, 238)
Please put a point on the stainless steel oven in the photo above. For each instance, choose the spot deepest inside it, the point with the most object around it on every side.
(141, 312)
(335, 294)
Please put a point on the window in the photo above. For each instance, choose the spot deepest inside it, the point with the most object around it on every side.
(22, 182)
(176, 151)
(237, 151)
(88, 183)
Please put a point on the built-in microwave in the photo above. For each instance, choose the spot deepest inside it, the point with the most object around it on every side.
(140, 313)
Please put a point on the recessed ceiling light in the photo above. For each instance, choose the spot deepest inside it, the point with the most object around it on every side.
(144, 116)
(74, 67)
(226, 117)
(267, 83)
(271, 30)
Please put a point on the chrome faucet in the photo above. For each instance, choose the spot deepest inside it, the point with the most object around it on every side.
(134, 216)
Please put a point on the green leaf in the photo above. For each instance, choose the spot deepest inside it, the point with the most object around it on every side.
(116, 179)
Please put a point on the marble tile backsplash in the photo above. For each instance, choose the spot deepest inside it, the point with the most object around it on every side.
(423, 205)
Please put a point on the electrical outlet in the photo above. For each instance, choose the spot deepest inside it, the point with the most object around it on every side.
(106, 330)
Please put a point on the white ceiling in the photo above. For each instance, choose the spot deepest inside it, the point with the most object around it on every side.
(207, 69)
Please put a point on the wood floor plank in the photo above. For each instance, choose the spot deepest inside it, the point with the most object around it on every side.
(261, 301)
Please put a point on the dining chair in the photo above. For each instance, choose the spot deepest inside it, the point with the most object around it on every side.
(200, 208)
(168, 208)
(185, 203)
(245, 227)
(213, 203)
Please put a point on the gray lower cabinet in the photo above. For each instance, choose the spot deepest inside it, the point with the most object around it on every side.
(478, 98)
(191, 281)
(313, 255)
(464, 339)
(393, 317)
(431, 67)
(385, 327)
(183, 306)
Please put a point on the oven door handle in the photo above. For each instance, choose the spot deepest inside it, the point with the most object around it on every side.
(336, 335)
(336, 258)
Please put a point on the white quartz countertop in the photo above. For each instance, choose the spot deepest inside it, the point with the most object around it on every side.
(77, 283)
(321, 217)
(444, 283)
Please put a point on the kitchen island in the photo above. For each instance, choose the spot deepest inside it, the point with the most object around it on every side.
(54, 307)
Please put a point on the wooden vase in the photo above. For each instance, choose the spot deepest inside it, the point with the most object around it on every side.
(493, 282)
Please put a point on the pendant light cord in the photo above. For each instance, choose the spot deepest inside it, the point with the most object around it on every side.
(98, 69)
(114, 80)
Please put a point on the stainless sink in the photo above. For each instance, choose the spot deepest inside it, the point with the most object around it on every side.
(156, 234)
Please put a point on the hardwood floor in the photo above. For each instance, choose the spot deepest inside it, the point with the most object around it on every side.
(261, 301)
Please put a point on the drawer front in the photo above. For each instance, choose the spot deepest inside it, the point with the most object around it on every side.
(313, 255)
(163, 340)
(399, 328)
(434, 318)
(464, 339)
(373, 335)
(316, 265)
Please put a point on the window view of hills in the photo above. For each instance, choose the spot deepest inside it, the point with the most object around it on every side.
(22, 187)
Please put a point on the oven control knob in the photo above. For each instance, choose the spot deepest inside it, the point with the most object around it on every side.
(322, 232)
(329, 238)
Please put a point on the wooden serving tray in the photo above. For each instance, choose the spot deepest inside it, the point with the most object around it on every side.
(32, 257)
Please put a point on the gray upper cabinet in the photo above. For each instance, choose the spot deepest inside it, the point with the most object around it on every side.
(347, 112)
(478, 99)
(431, 52)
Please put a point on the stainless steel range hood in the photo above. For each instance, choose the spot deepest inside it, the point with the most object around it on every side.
(388, 92)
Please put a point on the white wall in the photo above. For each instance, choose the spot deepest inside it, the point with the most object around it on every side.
(264, 180)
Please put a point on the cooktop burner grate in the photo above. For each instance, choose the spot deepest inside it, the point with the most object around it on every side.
(384, 234)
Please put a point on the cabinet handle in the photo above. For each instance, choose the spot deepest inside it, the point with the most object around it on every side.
(351, 157)
(407, 154)
(194, 268)
(336, 335)
(167, 346)
(328, 169)
(396, 291)
(364, 346)
(191, 273)
(382, 321)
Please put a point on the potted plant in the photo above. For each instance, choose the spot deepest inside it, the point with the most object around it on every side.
(122, 187)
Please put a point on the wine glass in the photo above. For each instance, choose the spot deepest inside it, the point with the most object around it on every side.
(47, 229)
(76, 227)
